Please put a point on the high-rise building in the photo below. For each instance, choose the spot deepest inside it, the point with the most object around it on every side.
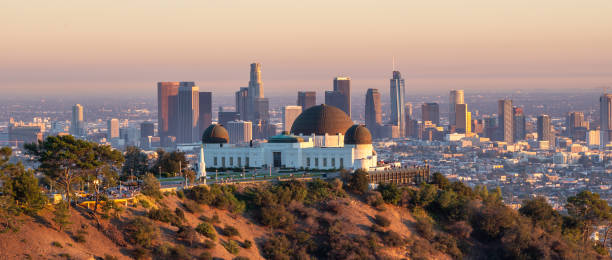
(397, 93)
(307, 99)
(456, 98)
(147, 129)
(240, 131)
(373, 112)
(340, 97)
(225, 116)
(242, 103)
(290, 113)
(463, 119)
(505, 121)
(544, 130)
(430, 112)
(261, 108)
(255, 91)
(189, 107)
(575, 121)
(605, 115)
(205, 113)
(519, 125)
(408, 110)
(112, 128)
(167, 111)
(77, 125)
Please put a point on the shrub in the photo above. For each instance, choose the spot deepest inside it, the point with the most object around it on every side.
(393, 239)
(247, 244)
(424, 227)
(79, 238)
(110, 257)
(187, 234)
(61, 215)
(390, 193)
(277, 247)
(57, 244)
(206, 230)
(230, 231)
(205, 256)
(209, 244)
(140, 253)
(144, 203)
(165, 215)
(382, 221)
(231, 246)
(276, 217)
(358, 182)
(191, 206)
(179, 213)
(180, 194)
(142, 231)
(240, 258)
(374, 199)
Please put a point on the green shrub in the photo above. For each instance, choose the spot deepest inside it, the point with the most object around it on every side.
(150, 186)
(165, 215)
(205, 256)
(79, 238)
(191, 206)
(240, 258)
(142, 231)
(206, 230)
(230, 231)
(231, 246)
(179, 213)
(276, 217)
(390, 193)
(57, 244)
(209, 244)
(247, 244)
(392, 239)
(180, 194)
(382, 221)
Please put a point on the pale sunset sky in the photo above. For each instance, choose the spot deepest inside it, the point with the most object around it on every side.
(87, 48)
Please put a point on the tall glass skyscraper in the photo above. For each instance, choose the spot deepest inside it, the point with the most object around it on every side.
(373, 113)
(456, 98)
(397, 93)
(605, 114)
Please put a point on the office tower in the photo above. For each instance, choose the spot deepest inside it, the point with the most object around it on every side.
(408, 110)
(430, 112)
(77, 125)
(306, 99)
(504, 121)
(456, 98)
(226, 116)
(205, 111)
(397, 93)
(340, 97)
(576, 125)
(240, 131)
(290, 113)
(519, 124)
(490, 127)
(147, 129)
(167, 111)
(605, 115)
(544, 130)
(463, 119)
(112, 128)
(242, 103)
(261, 109)
(188, 110)
(373, 112)
(255, 90)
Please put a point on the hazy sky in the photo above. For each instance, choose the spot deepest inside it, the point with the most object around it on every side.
(125, 47)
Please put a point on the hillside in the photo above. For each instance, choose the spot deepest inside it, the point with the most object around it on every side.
(39, 237)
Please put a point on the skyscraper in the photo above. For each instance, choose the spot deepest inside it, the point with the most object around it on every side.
(205, 111)
(373, 112)
(77, 125)
(147, 129)
(456, 97)
(290, 113)
(242, 103)
(255, 91)
(430, 112)
(189, 107)
(112, 128)
(225, 116)
(463, 119)
(397, 93)
(575, 120)
(240, 131)
(605, 115)
(167, 111)
(505, 121)
(544, 133)
(306, 99)
(340, 97)
(519, 124)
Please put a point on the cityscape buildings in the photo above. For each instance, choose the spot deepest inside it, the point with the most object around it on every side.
(430, 112)
(188, 113)
(205, 111)
(605, 115)
(544, 133)
(167, 114)
(505, 120)
(373, 112)
(240, 131)
(242, 103)
(463, 119)
(290, 113)
(518, 124)
(340, 96)
(397, 93)
(77, 124)
(456, 98)
(113, 128)
(306, 99)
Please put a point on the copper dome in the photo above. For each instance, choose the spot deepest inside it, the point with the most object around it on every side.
(215, 134)
(358, 134)
(321, 120)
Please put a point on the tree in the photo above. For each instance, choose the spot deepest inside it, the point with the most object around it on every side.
(390, 193)
(150, 186)
(22, 187)
(61, 214)
(135, 161)
(440, 180)
(66, 160)
(142, 231)
(358, 181)
(541, 213)
(590, 209)
(170, 162)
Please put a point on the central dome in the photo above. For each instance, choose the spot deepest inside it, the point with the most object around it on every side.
(321, 120)
(215, 134)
